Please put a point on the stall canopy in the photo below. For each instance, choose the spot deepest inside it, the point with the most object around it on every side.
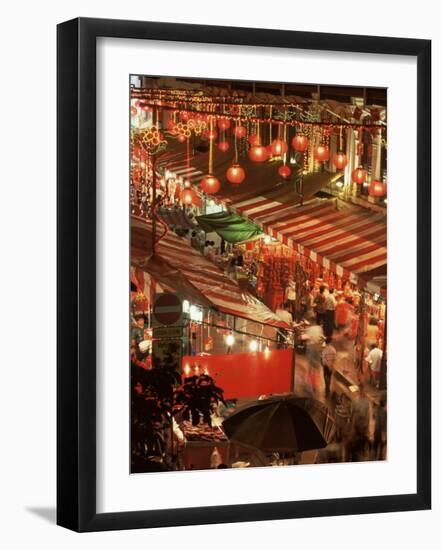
(350, 241)
(232, 227)
(177, 265)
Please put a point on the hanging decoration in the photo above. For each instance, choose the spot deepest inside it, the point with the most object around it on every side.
(240, 131)
(359, 175)
(284, 171)
(223, 123)
(340, 158)
(236, 174)
(223, 146)
(279, 147)
(300, 143)
(377, 188)
(210, 184)
(258, 152)
(187, 196)
(321, 153)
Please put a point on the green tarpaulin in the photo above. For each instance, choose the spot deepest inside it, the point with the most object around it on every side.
(230, 226)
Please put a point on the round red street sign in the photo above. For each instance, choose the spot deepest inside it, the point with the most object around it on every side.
(167, 309)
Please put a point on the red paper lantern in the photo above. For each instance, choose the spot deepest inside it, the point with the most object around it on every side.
(253, 138)
(321, 153)
(236, 174)
(258, 153)
(269, 149)
(184, 117)
(279, 147)
(340, 160)
(240, 131)
(300, 143)
(199, 118)
(181, 138)
(211, 134)
(377, 188)
(223, 146)
(210, 184)
(187, 196)
(284, 171)
(359, 175)
(223, 123)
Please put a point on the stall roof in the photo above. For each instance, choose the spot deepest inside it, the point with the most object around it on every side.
(348, 240)
(181, 267)
(232, 227)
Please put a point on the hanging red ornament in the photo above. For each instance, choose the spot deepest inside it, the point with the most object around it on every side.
(133, 111)
(340, 160)
(210, 184)
(223, 123)
(253, 138)
(223, 146)
(240, 131)
(300, 143)
(211, 134)
(184, 116)
(199, 118)
(187, 196)
(359, 175)
(171, 125)
(236, 174)
(269, 150)
(284, 171)
(321, 153)
(279, 147)
(258, 153)
(181, 138)
(377, 188)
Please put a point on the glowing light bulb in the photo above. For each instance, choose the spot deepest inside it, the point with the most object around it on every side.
(230, 340)
(253, 346)
(267, 239)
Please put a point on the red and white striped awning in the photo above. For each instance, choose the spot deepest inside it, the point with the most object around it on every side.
(179, 259)
(350, 241)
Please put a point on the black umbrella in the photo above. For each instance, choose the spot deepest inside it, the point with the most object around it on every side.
(282, 423)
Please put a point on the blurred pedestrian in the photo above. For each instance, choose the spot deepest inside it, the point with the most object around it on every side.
(328, 358)
(319, 304)
(380, 430)
(360, 427)
(374, 360)
(329, 313)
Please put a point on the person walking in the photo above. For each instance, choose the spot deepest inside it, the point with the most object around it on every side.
(319, 304)
(360, 425)
(374, 360)
(380, 430)
(328, 358)
(329, 313)
(314, 338)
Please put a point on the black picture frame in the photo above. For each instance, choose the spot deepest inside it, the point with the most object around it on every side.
(76, 274)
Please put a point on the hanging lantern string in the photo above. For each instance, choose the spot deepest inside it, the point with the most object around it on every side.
(285, 139)
(235, 143)
(270, 124)
(340, 138)
(380, 126)
(360, 147)
(211, 145)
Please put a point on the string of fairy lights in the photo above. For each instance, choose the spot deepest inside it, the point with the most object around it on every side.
(263, 131)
